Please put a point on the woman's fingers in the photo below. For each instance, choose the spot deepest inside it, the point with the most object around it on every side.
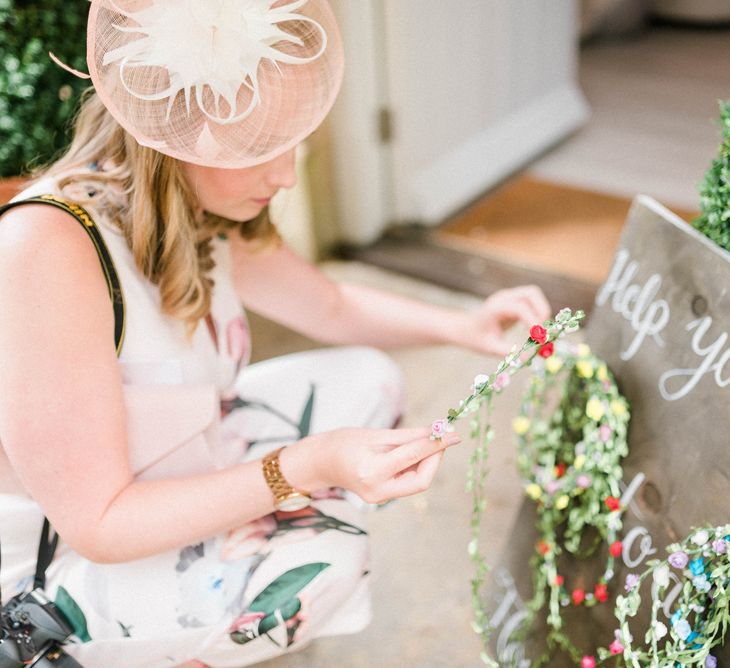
(394, 436)
(410, 454)
(536, 301)
(415, 480)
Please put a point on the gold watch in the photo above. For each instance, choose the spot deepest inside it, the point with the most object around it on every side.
(286, 497)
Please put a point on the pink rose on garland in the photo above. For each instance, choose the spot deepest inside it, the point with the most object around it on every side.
(439, 429)
(616, 647)
(501, 381)
(588, 662)
(538, 334)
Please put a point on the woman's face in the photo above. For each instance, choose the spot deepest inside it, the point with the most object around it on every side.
(240, 194)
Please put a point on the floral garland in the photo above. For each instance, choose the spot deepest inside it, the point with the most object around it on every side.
(697, 572)
(570, 460)
(478, 406)
(571, 466)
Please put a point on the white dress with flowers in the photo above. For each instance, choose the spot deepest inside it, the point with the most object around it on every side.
(253, 593)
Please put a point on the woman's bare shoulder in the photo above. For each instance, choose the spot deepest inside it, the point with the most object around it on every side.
(38, 239)
(50, 274)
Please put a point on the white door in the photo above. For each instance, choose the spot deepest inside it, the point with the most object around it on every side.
(471, 91)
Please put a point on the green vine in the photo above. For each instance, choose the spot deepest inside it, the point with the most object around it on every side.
(478, 407)
(570, 455)
(570, 460)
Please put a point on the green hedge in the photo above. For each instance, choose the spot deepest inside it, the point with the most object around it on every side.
(37, 98)
(714, 221)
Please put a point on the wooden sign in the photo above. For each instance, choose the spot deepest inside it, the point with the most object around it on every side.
(662, 323)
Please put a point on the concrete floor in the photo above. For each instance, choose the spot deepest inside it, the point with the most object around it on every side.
(421, 571)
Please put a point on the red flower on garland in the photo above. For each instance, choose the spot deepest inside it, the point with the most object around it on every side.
(616, 548)
(578, 596)
(547, 350)
(559, 579)
(538, 334)
(560, 470)
(588, 662)
(543, 548)
(612, 503)
(601, 592)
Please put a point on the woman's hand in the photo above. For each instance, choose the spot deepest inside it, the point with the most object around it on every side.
(486, 327)
(376, 464)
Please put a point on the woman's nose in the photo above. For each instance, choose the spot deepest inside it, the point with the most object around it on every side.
(282, 172)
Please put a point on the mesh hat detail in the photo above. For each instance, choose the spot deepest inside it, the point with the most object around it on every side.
(221, 83)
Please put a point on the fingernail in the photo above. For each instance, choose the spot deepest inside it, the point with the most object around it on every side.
(452, 439)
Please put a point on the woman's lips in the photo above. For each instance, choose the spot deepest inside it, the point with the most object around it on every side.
(261, 201)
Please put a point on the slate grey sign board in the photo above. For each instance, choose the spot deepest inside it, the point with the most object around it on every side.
(662, 322)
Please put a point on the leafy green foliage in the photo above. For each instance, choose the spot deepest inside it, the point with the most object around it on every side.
(714, 221)
(37, 97)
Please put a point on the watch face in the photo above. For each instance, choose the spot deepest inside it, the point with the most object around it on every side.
(293, 502)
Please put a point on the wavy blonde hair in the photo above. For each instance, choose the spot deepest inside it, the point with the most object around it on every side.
(147, 196)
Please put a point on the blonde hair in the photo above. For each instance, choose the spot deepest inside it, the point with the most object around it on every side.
(149, 199)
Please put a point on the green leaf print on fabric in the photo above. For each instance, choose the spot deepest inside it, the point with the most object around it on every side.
(276, 604)
(302, 427)
(314, 519)
(305, 422)
(71, 610)
(285, 613)
(282, 590)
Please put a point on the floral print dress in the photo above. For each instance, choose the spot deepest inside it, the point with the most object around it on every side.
(264, 588)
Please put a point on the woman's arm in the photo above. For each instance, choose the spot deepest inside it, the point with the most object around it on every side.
(285, 288)
(63, 422)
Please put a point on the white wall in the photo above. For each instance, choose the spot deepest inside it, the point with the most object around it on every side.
(476, 89)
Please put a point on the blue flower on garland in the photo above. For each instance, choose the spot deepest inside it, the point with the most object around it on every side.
(697, 566)
(676, 617)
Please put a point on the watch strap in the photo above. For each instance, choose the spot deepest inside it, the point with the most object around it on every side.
(278, 484)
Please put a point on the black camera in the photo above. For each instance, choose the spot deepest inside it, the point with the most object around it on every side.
(31, 632)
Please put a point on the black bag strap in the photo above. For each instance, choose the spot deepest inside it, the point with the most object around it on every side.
(107, 264)
(47, 545)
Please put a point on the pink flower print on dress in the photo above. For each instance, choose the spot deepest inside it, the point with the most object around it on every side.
(238, 341)
(249, 539)
(246, 620)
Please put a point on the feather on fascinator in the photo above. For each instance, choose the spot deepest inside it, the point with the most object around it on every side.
(220, 83)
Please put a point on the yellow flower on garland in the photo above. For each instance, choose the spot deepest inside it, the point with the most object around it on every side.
(553, 364)
(580, 462)
(521, 425)
(618, 407)
(584, 350)
(561, 502)
(533, 491)
(602, 373)
(584, 368)
(594, 409)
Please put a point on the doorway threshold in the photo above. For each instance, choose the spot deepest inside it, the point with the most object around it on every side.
(414, 251)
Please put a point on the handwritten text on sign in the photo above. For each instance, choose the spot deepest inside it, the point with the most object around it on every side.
(648, 314)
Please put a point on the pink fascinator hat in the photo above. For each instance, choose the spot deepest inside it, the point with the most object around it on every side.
(220, 83)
